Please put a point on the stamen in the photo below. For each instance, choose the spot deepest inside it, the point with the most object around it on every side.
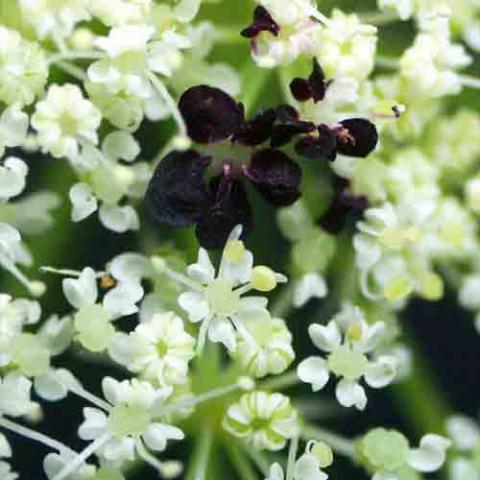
(165, 469)
(160, 266)
(202, 336)
(35, 436)
(90, 397)
(292, 455)
(75, 464)
(35, 287)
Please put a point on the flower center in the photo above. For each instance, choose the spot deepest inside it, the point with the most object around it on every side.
(348, 363)
(258, 423)
(162, 348)
(69, 124)
(221, 297)
(237, 156)
(128, 420)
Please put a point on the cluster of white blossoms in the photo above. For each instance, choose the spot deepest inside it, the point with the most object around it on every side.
(206, 353)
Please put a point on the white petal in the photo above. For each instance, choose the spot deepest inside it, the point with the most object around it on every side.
(129, 266)
(82, 291)
(464, 432)
(119, 219)
(158, 434)
(13, 127)
(49, 387)
(307, 467)
(120, 145)
(326, 338)
(13, 174)
(313, 370)
(381, 372)
(275, 472)
(94, 425)
(202, 271)
(462, 469)
(431, 454)
(349, 393)
(371, 336)
(221, 330)
(195, 305)
(186, 10)
(310, 285)
(122, 300)
(84, 203)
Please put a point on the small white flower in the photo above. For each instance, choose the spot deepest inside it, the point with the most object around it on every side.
(310, 285)
(121, 12)
(15, 395)
(131, 423)
(266, 420)
(216, 299)
(348, 359)
(13, 128)
(23, 68)
(64, 119)
(159, 349)
(83, 201)
(13, 175)
(93, 321)
(49, 17)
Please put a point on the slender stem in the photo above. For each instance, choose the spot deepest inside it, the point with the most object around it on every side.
(202, 336)
(66, 272)
(201, 455)
(387, 62)
(244, 289)
(470, 82)
(75, 55)
(75, 464)
(36, 436)
(163, 92)
(151, 460)
(258, 458)
(90, 397)
(181, 278)
(341, 445)
(242, 466)
(253, 81)
(292, 455)
(72, 70)
(229, 34)
(379, 18)
(36, 288)
(281, 382)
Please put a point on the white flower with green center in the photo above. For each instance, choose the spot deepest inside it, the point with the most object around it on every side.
(388, 455)
(465, 435)
(266, 420)
(5, 452)
(93, 320)
(268, 350)
(347, 47)
(349, 359)
(13, 128)
(159, 349)
(23, 68)
(65, 119)
(108, 177)
(131, 423)
(54, 17)
(217, 299)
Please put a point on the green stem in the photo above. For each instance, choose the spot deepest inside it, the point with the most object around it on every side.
(341, 445)
(258, 458)
(282, 305)
(281, 382)
(241, 464)
(292, 455)
(253, 81)
(379, 18)
(198, 467)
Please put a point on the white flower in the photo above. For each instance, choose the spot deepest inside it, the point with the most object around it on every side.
(64, 119)
(49, 17)
(13, 175)
(268, 349)
(348, 359)
(216, 299)
(121, 12)
(403, 8)
(310, 285)
(53, 464)
(131, 423)
(266, 420)
(346, 47)
(159, 349)
(83, 201)
(93, 320)
(15, 395)
(13, 128)
(23, 68)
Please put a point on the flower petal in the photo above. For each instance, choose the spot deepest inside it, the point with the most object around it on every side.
(382, 372)
(262, 22)
(195, 305)
(177, 193)
(314, 87)
(158, 434)
(275, 176)
(221, 330)
(349, 393)
(313, 370)
(431, 454)
(464, 432)
(326, 338)
(258, 130)
(82, 291)
(322, 144)
(211, 115)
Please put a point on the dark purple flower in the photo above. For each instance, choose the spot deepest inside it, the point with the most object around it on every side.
(180, 194)
(211, 115)
(356, 137)
(262, 22)
(321, 144)
(314, 87)
(344, 203)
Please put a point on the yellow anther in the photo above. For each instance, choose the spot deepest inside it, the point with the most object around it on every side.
(432, 287)
(263, 279)
(397, 288)
(452, 233)
(354, 332)
(412, 235)
(323, 452)
(234, 251)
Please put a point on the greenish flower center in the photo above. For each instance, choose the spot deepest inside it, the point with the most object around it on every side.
(128, 420)
(221, 297)
(162, 348)
(258, 423)
(348, 363)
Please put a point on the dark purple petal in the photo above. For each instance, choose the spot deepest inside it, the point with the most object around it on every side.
(320, 144)
(211, 115)
(262, 22)
(344, 204)
(177, 193)
(258, 130)
(229, 207)
(275, 176)
(286, 113)
(314, 87)
(356, 137)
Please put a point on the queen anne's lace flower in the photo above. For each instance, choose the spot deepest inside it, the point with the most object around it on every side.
(132, 422)
(65, 119)
(217, 300)
(266, 420)
(159, 349)
(93, 321)
(388, 455)
(348, 358)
